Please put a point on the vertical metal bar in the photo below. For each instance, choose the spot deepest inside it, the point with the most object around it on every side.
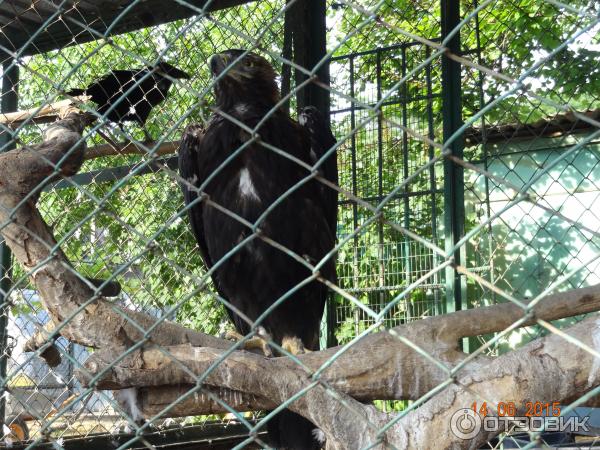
(355, 261)
(306, 23)
(8, 103)
(287, 53)
(306, 34)
(380, 246)
(71, 369)
(310, 46)
(490, 259)
(319, 97)
(405, 174)
(330, 322)
(432, 181)
(454, 208)
(473, 343)
(5, 275)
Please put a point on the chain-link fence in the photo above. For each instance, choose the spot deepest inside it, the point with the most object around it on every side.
(191, 287)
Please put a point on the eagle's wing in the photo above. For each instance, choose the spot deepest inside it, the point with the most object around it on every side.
(188, 170)
(321, 141)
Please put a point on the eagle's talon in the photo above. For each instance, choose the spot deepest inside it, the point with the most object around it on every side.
(231, 335)
(252, 344)
(293, 345)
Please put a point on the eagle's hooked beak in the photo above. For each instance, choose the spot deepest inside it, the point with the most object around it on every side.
(218, 63)
(221, 62)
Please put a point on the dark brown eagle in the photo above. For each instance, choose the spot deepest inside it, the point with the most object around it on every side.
(258, 274)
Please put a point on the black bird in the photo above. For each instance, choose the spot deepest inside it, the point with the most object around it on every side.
(258, 274)
(149, 86)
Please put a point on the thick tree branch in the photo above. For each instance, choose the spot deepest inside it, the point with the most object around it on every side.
(45, 114)
(548, 369)
(131, 148)
(245, 373)
(96, 322)
(392, 366)
(514, 377)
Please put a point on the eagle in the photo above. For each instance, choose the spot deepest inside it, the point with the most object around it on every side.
(129, 95)
(246, 162)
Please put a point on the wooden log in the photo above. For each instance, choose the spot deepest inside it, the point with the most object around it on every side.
(46, 114)
(131, 148)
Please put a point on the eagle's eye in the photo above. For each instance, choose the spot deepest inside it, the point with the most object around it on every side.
(249, 63)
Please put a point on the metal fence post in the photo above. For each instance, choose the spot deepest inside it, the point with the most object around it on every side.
(454, 207)
(310, 45)
(8, 103)
(307, 20)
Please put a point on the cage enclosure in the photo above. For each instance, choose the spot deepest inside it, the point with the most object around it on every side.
(466, 242)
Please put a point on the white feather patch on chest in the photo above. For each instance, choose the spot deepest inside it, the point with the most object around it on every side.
(246, 187)
(242, 108)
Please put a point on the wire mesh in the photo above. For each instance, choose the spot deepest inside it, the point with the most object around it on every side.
(524, 154)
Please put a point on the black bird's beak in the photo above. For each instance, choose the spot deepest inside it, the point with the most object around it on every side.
(177, 73)
(165, 68)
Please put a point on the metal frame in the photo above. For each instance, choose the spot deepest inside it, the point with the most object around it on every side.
(101, 19)
(403, 101)
(454, 211)
(8, 103)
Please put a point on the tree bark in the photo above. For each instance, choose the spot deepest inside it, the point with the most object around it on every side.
(131, 148)
(89, 319)
(45, 114)
(547, 370)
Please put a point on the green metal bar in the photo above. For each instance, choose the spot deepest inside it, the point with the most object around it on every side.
(410, 312)
(8, 103)
(454, 208)
(397, 101)
(380, 234)
(434, 192)
(355, 193)
(319, 96)
(310, 46)
(488, 259)
(306, 23)
(385, 48)
(287, 52)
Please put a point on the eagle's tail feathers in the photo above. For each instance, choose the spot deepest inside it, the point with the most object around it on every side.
(76, 92)
(290, 431)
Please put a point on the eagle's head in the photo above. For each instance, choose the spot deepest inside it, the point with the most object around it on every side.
(243, 78)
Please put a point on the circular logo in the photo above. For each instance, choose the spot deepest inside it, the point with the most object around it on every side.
(465, 423)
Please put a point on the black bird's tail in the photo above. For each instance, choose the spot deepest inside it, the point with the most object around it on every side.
(290, 431)
(76, 92)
